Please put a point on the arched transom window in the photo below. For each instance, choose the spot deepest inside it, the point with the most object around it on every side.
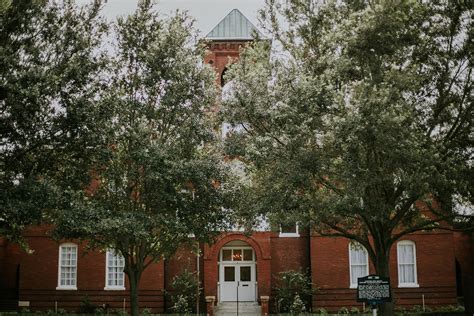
(236, 251)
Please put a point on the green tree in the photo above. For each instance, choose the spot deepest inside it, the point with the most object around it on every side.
(49, 61)
(158, 180)
(364, 121)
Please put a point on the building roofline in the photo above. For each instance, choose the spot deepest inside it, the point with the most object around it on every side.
(234, 26)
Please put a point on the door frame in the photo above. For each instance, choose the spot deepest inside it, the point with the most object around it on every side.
(237, 263)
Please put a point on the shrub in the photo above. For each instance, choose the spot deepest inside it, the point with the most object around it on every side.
(185, 288)
(86, 306)
(450, 308)
(115, 311)
(298, 306)
(400, 309)
(121, 312)
(294, 287)
(343, 311)
(181, 305)
(354, 310)
(417, 309)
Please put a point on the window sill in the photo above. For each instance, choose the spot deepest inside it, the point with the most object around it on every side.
(353, 286)
(289, 235)
(408, 285)
(114, 288)
(66, 288)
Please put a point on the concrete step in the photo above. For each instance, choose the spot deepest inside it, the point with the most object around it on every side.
(245, 309)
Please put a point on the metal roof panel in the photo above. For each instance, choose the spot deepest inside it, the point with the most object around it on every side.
(234, 26)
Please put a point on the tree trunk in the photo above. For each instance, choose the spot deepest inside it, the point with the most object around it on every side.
(134, 280)
(382, 268)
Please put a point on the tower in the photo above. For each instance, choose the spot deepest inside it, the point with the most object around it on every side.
(226, 39)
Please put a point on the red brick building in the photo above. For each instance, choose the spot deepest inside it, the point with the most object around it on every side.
(428, 267)
(34, 280)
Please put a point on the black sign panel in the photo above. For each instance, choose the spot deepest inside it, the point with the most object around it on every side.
(373, 289)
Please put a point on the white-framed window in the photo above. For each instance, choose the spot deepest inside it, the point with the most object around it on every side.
(114, 275)
(358, 263)
(406, 259)
(289, 230)
(237, 253)
(67, 267)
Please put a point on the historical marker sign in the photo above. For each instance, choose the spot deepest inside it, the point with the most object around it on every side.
(373, 289)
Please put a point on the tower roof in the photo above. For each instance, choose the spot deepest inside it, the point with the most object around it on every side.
(234, 26)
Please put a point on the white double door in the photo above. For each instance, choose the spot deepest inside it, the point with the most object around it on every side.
(237, 282)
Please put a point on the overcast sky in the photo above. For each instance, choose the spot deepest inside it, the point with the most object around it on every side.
(206, 12)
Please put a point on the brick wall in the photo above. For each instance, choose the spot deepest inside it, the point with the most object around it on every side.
(220, 53)
(464, 252)
(288, 253)
(435, 271)
(3, 246)
(9, 266)
(259, 241)
(39, 278)
(274, 254)
(327, 258)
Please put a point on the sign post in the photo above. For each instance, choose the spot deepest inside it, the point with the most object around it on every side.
(374, 290)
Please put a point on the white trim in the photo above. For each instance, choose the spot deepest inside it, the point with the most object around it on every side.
(67, 287)
(64, 288)
(297, 234)
(415, 272)
(408, 285)
(114, 288)
(107, 286)
(352, 285)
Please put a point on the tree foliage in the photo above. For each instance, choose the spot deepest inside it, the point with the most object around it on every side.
(363, 122)
(157, 180)
(50, 62)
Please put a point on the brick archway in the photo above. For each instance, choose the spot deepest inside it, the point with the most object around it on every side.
(216, 248)
(262, 255)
